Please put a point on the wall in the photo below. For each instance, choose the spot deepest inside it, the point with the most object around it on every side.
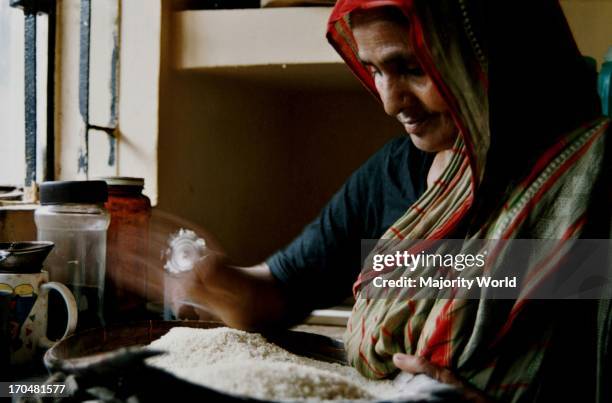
(591, 24)
(252, 163)
(17, 223)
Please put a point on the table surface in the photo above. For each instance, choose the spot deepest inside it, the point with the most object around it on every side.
(34, 372)
(335, 332)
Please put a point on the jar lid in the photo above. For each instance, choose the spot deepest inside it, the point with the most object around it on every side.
(123, 181)
(82, 192)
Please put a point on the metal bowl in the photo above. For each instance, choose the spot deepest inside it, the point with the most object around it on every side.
(112, 360)
(23, 257)
(89, 346)
(115, 352)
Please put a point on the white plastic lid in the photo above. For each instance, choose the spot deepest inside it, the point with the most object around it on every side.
(123, 181)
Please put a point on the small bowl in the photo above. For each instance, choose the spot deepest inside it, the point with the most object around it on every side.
(23, 257)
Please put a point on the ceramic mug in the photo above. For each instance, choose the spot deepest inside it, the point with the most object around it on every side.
(24, 300)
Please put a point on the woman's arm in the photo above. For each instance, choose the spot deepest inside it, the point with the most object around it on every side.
(242, 297)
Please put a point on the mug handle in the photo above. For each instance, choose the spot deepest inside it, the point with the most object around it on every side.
(71, 308)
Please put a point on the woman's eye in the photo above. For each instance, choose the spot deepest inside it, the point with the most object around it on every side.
(415, 71)
(372, 70)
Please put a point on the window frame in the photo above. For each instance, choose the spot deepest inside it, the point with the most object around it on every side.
(37, 89)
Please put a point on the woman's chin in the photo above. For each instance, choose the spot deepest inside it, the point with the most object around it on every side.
(424, 143)
(432, 142)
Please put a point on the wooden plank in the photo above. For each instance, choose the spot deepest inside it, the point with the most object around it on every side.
(103, 63)
(70, 128)
(252, 37)
(139, 91)
(102, 154)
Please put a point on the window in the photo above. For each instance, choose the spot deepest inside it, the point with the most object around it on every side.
(26, 135)
(12, 126)
(74, 80)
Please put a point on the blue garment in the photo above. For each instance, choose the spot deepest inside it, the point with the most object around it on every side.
(319, 267)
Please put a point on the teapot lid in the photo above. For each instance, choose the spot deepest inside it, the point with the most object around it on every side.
(23, 257)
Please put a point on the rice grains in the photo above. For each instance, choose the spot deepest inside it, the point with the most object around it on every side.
(238, 362)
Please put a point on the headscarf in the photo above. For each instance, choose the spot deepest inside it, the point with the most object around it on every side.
(526, 164)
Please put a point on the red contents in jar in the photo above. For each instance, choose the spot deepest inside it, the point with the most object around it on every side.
(127, 249)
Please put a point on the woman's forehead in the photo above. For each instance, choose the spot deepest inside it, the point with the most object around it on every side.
(378, 38)
(388, 13)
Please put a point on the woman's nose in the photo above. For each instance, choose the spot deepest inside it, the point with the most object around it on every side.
(392, 94)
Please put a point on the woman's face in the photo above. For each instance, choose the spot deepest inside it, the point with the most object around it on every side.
(407, 93)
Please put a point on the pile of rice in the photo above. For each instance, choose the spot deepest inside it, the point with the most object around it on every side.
(245, 363)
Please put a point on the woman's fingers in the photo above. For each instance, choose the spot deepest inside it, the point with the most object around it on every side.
(418, 365)
(182, 292)
(185, 312)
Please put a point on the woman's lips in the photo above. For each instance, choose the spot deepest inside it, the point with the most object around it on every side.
(415, 127)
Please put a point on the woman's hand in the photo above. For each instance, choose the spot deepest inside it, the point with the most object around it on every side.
(185, 292)
(247, 298)
(418, 365)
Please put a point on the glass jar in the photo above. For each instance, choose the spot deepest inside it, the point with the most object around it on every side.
(128, 248)
(73, 217)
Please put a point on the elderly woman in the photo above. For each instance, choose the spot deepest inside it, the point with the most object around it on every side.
(505, 141)
(515, 145)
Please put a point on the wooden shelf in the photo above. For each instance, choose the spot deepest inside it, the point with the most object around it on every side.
(213, 39)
